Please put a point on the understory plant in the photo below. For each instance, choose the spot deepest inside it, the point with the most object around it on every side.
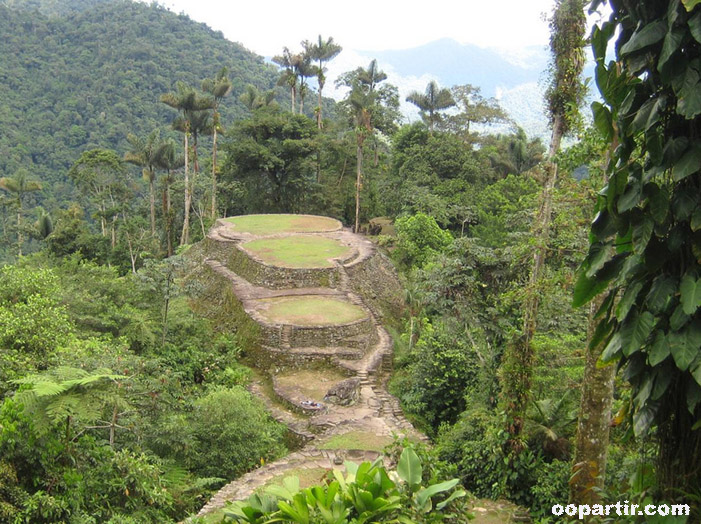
(366, 493)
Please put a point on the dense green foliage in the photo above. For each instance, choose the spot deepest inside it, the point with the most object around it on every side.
(645, 240)
(86, 80)
(120, 404)
(110, 409)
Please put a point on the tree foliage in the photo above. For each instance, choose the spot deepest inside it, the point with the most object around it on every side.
(644, 243)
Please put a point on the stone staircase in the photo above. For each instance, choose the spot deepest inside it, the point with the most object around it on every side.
(366, 355)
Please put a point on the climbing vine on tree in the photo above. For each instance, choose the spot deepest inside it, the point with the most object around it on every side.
(645, 242)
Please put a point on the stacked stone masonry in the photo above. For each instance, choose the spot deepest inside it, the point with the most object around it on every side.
(361, 349)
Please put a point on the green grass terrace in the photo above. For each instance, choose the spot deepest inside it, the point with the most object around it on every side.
(276, 224)
(297, 251)
(310, 311)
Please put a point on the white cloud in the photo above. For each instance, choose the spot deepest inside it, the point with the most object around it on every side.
(371, 24)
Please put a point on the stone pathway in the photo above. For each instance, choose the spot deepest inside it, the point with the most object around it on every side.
(366, 356)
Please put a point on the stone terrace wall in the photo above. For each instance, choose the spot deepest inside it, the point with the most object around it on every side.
(336, 335)
(376, 281)
(273, 277)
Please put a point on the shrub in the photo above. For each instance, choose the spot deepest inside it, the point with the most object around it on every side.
(232, 433)
(419, 238)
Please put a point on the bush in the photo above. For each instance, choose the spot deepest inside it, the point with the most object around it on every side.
(232, 432)
(551, 486)
(419, 238)
(441, 367)
(473, 446)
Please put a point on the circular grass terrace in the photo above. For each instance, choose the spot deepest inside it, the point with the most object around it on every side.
(276, 224)
(309, 311)
(297, 251)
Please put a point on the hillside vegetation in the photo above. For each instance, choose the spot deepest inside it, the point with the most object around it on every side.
(78, 76)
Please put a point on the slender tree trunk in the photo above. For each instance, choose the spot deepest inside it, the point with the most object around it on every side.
(19, 231)
(113, 425)
(185, 236)
(294, 100)
(556, 137)
(152, 194)
(169, 218)
(358, 184)
(103, 223)
(591, 452)
(593, 425)
(214, 168)
(319, 120)
(517, 367)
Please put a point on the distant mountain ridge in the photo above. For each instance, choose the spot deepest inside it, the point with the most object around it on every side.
(516, 79)
(454, 63)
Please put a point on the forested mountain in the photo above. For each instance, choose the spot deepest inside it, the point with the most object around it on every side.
(81, 75)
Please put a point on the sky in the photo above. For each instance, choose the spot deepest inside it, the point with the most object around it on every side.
(265, 27)
(513, 27)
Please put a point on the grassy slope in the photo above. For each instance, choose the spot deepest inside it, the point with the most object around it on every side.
(85, 80)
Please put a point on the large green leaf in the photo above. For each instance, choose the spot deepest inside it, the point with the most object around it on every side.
(658, 202)
(659, 350)
(642, 420)
(690, 163)
(649, 34)
(424, 495)
(635, 331)
(599, 254)
(695, 23)
(587, 288)
(409, 467)
(602, 119)
(660, 292)
(689, 95)
(696, 373)
(644, 390)
(672, 42)
(631, 197)
(612, 350)
(685, 345)
(642, 231)
(628, 300)
(690, 293)
(693, 396)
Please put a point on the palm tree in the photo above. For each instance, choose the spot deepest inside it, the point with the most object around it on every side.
(361, 102)
(19, 185)
(304, 69)
(168, 159)
(371, 76)
(323, 51)
(144, 154)
(431, 101)
(253, 99)
(288, 77)
(218, 88)
(191, 104)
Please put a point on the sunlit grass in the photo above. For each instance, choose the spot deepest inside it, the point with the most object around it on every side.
(297, 251)
(272, 224)
(310, 311)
